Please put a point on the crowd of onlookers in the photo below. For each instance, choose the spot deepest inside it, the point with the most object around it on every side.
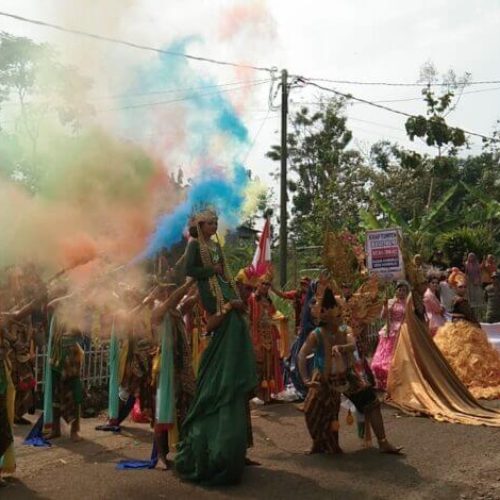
(482, 283)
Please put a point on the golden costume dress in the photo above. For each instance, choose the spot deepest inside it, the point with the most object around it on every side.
(422, 382)
(466, 348)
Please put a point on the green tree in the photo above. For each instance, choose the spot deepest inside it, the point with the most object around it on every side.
(328, 179)
(35, 89)
(433, 128)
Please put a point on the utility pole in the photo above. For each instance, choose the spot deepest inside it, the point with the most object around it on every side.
(283, 178)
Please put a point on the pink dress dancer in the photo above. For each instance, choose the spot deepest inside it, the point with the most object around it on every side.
(434, 311)
(382, 358)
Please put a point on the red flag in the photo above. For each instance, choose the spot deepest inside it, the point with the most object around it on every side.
(261, 262)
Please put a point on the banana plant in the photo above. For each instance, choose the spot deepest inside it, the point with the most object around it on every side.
(419, 232)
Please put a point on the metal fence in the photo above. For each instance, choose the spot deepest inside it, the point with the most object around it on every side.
(94, 372)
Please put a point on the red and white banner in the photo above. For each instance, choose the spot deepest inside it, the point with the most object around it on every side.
(383, 253)
(261, 262)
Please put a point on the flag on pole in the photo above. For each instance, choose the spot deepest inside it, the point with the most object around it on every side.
(261, 263)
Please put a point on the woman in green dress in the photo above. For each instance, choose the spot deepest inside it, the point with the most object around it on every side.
(214, 434)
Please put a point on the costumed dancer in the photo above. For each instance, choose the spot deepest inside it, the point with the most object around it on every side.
(136, 356)
(266, 341)
(420, 381)
(196, 325)
(394, 314)
(63, 386)
(298, 297)
(131, 351)
(7, 398)
(19, 344)
(173, 372)
(214, 435)
(434, 310)
(307, 325)
(338, 369)
(466, 347)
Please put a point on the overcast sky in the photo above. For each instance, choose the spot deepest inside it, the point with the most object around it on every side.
(383, 40)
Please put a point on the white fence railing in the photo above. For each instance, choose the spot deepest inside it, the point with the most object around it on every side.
(94, 367)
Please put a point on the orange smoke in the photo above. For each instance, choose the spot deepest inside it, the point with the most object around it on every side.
(77, 250)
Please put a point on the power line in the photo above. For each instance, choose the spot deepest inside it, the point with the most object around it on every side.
(381, 106)
(145, 94)
(257, 135)
(158, 103)
(134, 45)
(180, 99)
(398, 84)
(408, 99)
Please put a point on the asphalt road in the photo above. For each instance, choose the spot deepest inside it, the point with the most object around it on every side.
(443, 461)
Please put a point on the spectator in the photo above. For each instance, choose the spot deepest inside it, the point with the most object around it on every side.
(492, 295)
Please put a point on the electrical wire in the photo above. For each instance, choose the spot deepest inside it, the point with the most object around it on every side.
(132, 44)
(145, 94)
(158, 103)
(180, 99)
(397, 84)
(381, 106)
(257, 135)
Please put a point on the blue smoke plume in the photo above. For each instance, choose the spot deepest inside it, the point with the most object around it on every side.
(223, 194)
(208, 113)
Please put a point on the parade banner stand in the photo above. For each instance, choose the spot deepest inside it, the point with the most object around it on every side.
(383, 253)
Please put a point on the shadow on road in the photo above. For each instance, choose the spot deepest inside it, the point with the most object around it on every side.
(17, 490)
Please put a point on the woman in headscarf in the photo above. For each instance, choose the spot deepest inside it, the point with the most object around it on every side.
(474, 285)
(488, 267)
(394, 313)
(466, 348)
(214, 433)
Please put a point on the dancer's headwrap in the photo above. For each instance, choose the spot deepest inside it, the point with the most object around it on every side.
(324, 306)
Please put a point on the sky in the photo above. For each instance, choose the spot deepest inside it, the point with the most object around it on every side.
(386, 40)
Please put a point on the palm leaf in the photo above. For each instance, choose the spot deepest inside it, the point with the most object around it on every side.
(492, 205)
(429, 218)
(368, 220)
(391, 213)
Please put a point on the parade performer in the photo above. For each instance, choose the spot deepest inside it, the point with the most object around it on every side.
(307, 325)
(19, 344)
(433, 308)
(420, 381)
(196, 326)
(215, 432)
(136, 356)
(394, 313)
(266, 340)
(298, 297)
(173, 372)
(465, 346)
(7, 397)
(64, 390)
(338, 369)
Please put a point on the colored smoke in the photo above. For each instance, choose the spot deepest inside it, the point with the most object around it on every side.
(223, 194)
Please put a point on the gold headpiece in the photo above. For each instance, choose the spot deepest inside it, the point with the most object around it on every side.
(344, 256)
(202, 216)
(244, 278)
